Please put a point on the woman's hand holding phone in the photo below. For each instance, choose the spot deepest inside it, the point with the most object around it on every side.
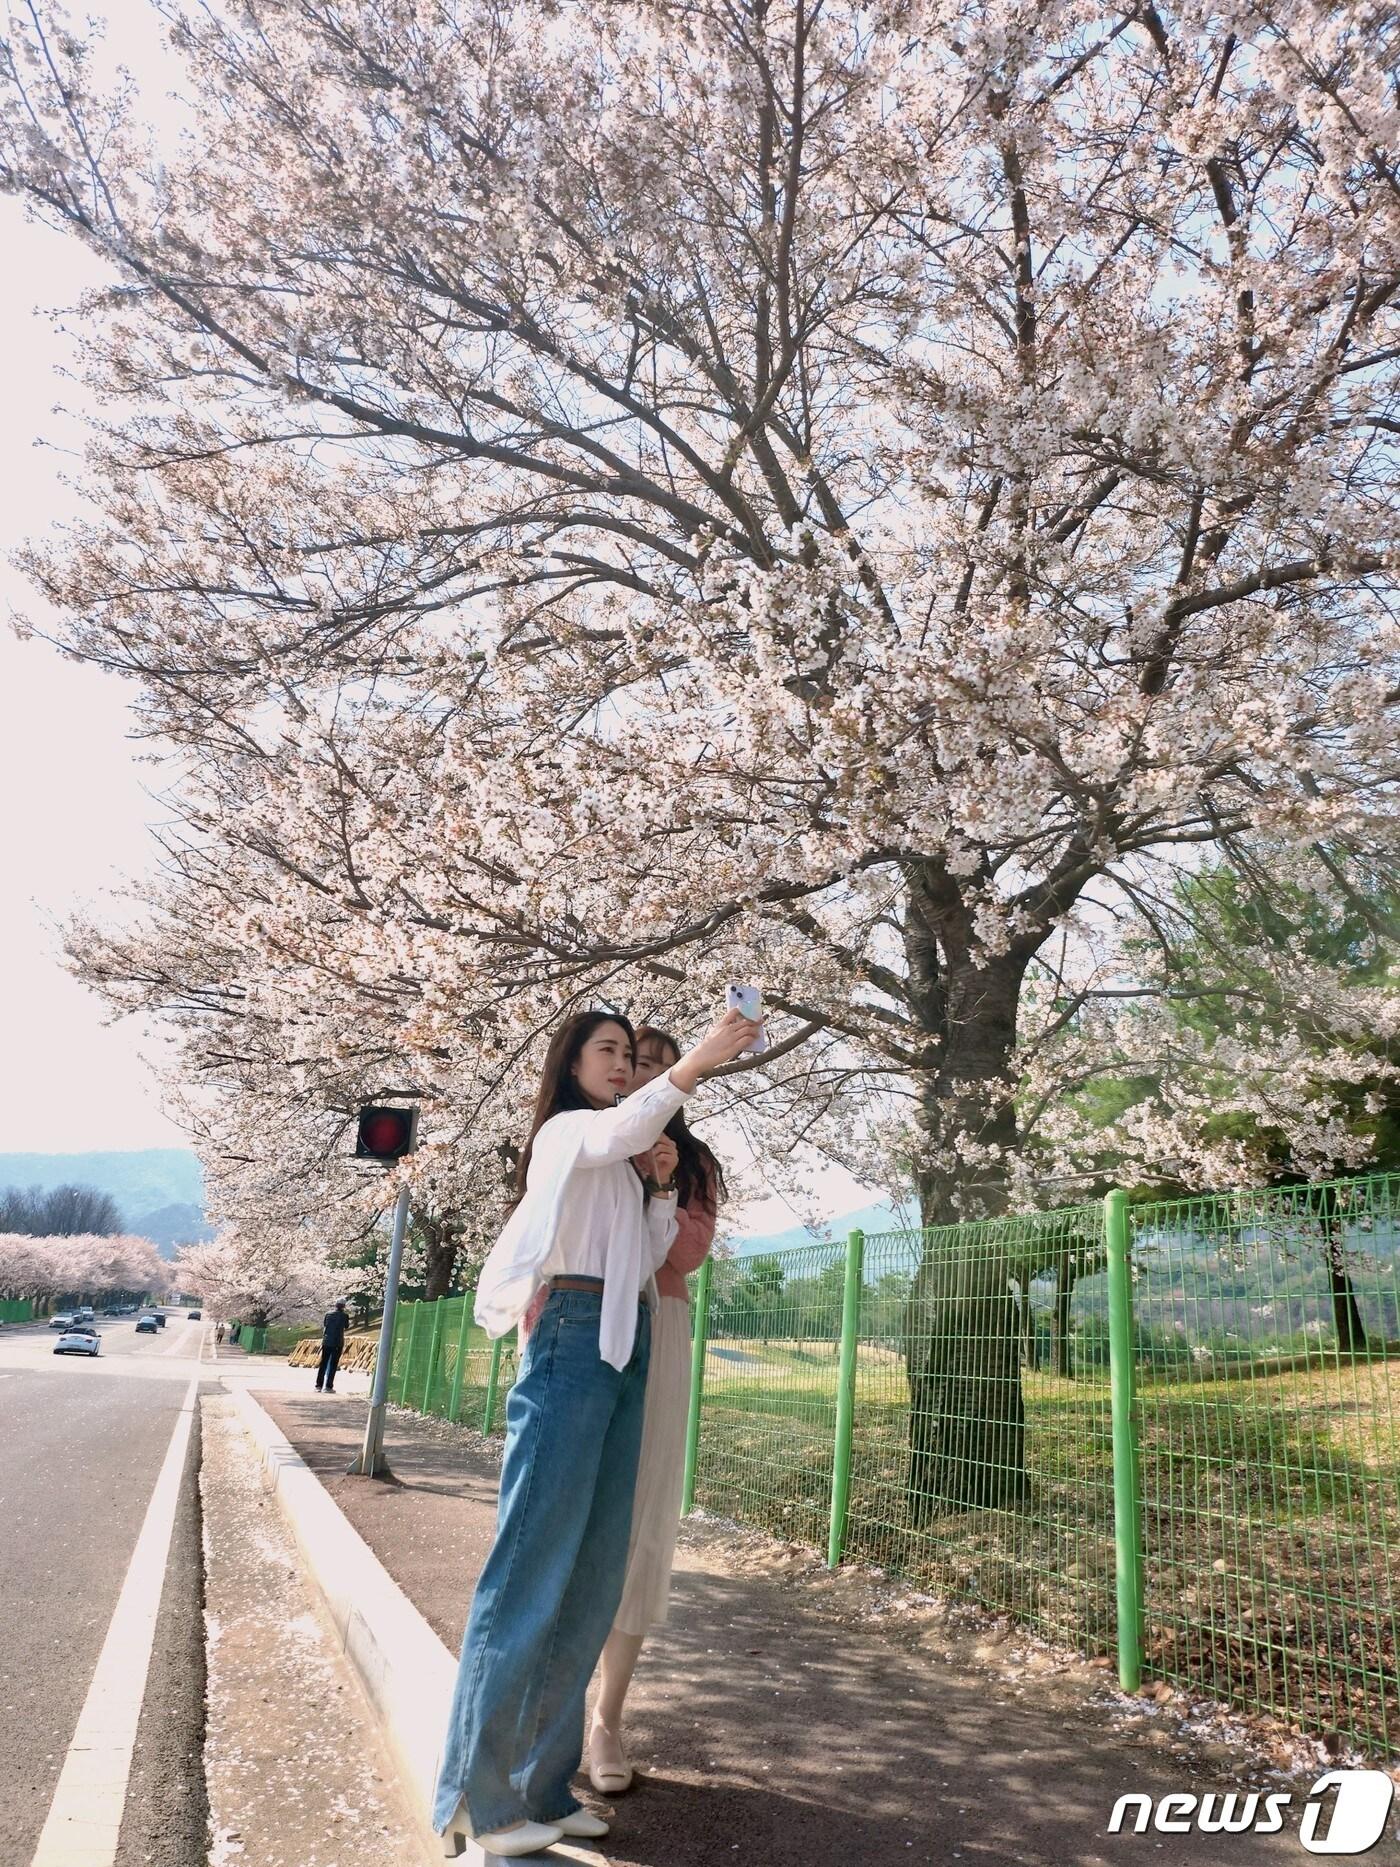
(749, 1000)
(726, 1039)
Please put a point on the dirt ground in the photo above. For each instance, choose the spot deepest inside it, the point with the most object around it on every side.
(794, 1718)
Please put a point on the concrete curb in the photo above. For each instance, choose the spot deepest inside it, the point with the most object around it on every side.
(405, 1670)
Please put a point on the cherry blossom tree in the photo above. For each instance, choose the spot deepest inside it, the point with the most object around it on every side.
(1269, 1053)
(79, 1268)
(257, 1280)
(614, 500)
(25, 1268)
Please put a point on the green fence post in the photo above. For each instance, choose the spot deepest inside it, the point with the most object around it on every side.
(408, 1354)
(455, 1404)
(845, 1399)
(1127, 1487)
(493, 1376)
(433, 1348)
(698, 1345)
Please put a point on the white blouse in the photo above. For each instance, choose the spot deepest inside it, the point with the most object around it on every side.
(583, 1215)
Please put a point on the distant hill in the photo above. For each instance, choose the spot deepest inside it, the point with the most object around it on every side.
(160, 1190)
(173, 1225)
(882, 1217)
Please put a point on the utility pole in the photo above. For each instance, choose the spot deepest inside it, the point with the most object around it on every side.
(369, 1460)
(384, 1135)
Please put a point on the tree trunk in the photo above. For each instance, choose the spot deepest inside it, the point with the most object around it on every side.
(1025, 1323)
(1346, 1312)
(440, 1240)
(962, 1350)
(966, 1413)
(441, 1264)
(1064, 1297)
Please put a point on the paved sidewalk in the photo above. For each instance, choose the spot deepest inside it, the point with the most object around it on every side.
(776, 1723)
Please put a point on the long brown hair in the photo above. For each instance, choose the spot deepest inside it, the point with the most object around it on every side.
(698, 1172)
(559, 1087)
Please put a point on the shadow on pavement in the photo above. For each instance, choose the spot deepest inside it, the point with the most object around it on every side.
(771, 1730)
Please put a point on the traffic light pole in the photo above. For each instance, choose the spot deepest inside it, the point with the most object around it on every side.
(369, 1460)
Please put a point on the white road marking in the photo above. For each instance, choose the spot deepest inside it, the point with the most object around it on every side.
(85, 1816)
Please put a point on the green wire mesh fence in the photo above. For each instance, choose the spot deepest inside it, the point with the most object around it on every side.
(1268, 1344)
(443, 1363)
(1166, 1429)
(770, 1380)
(982, 1464)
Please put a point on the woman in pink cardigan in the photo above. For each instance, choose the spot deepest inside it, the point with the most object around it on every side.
(656, 1507)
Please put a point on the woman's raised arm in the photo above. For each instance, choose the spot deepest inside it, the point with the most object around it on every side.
(609, 1135)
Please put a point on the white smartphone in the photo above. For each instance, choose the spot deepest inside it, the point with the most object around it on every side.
(748, 1000)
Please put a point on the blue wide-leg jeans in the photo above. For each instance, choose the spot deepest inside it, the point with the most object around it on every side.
(550, 1587)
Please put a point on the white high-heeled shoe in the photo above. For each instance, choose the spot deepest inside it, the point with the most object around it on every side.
(610, 1776)
(504, 1843)
(582, 1825)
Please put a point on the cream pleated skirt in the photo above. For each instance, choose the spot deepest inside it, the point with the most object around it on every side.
(656, 1507)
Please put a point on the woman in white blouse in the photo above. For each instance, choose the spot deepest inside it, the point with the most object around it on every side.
(589, 1225)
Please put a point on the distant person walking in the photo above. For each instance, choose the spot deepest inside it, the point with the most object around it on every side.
(332, 1343)
(219, 1336)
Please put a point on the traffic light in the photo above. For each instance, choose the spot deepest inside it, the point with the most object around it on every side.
(385, 1134)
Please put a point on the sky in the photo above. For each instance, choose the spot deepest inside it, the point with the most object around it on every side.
(80, 793)
(78, 802)
(79, 796)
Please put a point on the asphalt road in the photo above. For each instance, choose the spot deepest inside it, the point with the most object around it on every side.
(83, 1444)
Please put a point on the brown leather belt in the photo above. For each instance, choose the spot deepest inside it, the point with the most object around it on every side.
(592, 1286)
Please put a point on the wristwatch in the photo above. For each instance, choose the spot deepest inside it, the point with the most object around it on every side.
(663, 1192)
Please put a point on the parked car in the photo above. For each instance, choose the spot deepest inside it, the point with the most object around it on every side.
(84, 1313)
(194, 1315)
(146, 1325)
(64, 1320)
(77, 1342)
(160, 1319)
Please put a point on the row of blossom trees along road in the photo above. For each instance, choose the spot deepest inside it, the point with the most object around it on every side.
(895, 502)
(49, 1272)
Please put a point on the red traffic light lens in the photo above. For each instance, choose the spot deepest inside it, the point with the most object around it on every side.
(385, 1134)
